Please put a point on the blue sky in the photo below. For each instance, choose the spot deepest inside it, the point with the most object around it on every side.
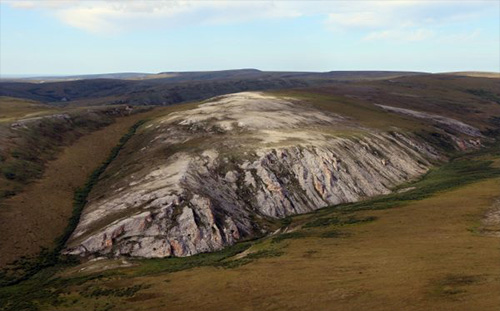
(62, 37)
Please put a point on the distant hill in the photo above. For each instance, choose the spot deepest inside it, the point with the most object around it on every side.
(220, 74)
(43, 79)
(481, 74)
(168, 88)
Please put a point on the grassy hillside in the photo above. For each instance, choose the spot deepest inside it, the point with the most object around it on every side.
(469, 99)
(12, 109)
(31, 134)
(427, 251)
(43, 162)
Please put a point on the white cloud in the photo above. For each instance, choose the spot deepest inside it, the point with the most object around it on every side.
(471, 37)
(400, 35)
(355, 19)
(370, 14)
(46, 4)
(120, 15)
(378, 19)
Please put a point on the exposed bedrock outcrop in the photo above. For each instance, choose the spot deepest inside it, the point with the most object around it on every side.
(203, 199)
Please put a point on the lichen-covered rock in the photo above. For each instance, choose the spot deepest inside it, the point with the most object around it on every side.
(212, 193)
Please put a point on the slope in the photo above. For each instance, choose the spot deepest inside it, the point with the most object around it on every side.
(37, 209)
(202, 179)
(418, 255)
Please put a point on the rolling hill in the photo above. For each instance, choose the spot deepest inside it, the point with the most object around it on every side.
(171, 87)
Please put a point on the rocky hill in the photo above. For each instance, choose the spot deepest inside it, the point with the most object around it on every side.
(204, 178)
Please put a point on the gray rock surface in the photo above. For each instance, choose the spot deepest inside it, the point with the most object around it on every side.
(229, 172)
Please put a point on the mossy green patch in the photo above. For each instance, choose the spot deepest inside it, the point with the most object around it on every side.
(288, 236)
(265, 253)
(338, 221)
(173, 264)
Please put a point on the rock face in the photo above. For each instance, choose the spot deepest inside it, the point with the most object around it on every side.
(208, 177)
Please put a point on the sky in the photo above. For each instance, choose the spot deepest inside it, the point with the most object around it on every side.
(68, 37)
